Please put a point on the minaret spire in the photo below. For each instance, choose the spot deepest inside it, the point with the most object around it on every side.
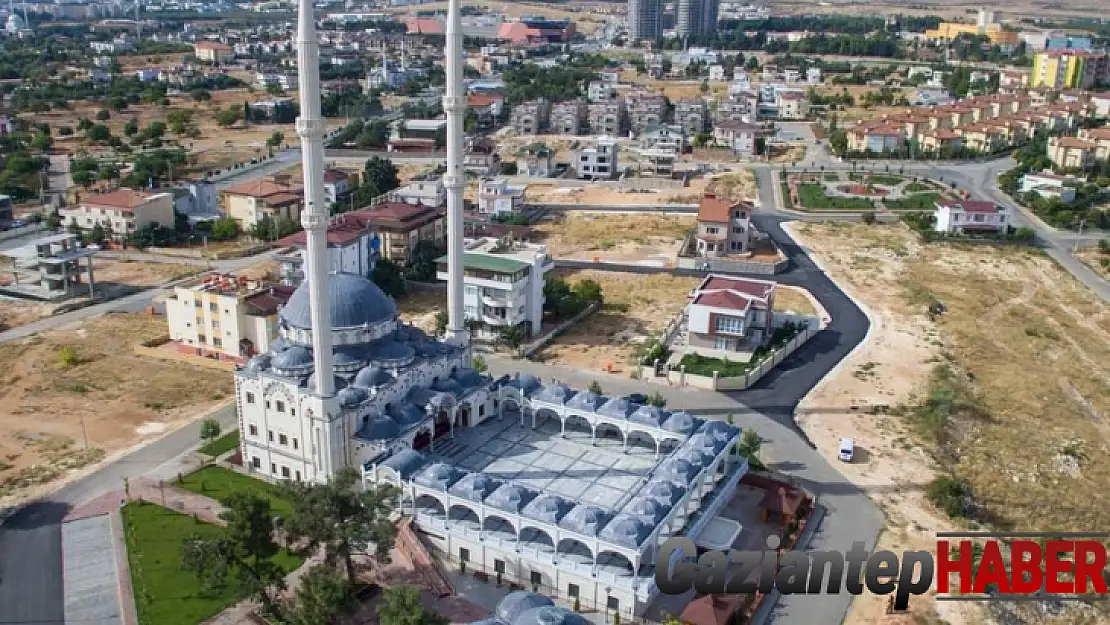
(454, 103)
(314, 215)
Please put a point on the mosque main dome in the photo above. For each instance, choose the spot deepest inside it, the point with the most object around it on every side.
(354, 301)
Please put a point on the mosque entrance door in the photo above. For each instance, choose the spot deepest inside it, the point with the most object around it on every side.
(443, 423)
(464, 416)
(422, 441)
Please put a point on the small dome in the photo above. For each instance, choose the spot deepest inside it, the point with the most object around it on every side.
(647, 508)
(469, 378)
(516, 603)
(406, 462)
(663, 490)
(719, 430)
(617, 407)
(372, 376)
(349, 357)
(586, 400)
(338, 382)
(554, 394)
(585, 519)
(295, 360)
(354, 301)
(550, 615)
(351, 396)
(447, 385)
(392, 353)
(679, 469)
(510, 497)
(439, 476)
(527, 383)
(475, 487)
(547, 507)
(407, 414)
(681, 423)
(625, 530)
(258, 363)
(379, 427)
(649, 415)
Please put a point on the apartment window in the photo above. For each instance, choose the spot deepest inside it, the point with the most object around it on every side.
(253, 429)
(267, 404)
(738, 230)
(200, 320)
(721, 343)
(535, 577)
(250, 398)
(711, 230)
(292, 412)
(280, 406)
(285, 472)
(188, 324)
(499, 566)
(572, 591)
(464, 554)
(196, 303)
(213, 307)
(217, 342)
(215, 324)
(256, 462)
(729, 324)
(283, 439)
(201, 338)
(612, 603)
(298, 478)
(270, 435)
(978, 218)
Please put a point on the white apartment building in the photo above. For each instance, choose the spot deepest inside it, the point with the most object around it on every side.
(422, 191)
(353, 247)
(965, 217)
(337, 185)
(121, 212)
(498, 196)
(225, 317)
(503, 285)
(598, 161)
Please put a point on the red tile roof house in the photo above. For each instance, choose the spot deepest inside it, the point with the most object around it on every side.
(730, 317)
(964, 217)
(724, 227)
(350, 248)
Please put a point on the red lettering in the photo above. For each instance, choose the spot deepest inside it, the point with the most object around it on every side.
(1092, 570)
(1054, 565)
(947, 566)
(1025, 558)
(992, 570)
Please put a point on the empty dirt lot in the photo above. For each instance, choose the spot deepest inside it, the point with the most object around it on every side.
(637, 307)
(623, 238)
(1007, 391)
(58, 386)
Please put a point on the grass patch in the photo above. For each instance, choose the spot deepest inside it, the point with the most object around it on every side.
(705, 366)
(218, 483)
(949, 396)
(950, 496)
(917, 187)
(221, 445)
(919, 201)
(832, 177)
(888, 180)
(812, 195)
(165, 594)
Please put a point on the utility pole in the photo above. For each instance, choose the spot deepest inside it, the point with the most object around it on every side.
(1082, 222)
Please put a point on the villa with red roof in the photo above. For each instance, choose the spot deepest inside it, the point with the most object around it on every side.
(724, 227)
(966, 216)
(730, 316)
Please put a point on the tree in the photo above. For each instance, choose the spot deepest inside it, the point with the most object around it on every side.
(323, 597)
(200, 95)
(131, 128)
(84, 124)
(98, 133)
(225, 229)
(83, 178)
(381, 174)
(275, 139)
(441, 322)
(403, 607)
(209, 430)
(595, 388)
(749, 446)
(96, 235)
(479, 364)
(65, 131)
(228, 116)
(42, 141)
(274, 89)
(341, 519)
(657, 400)
(389, 277)
(245, 549)
(588, 290)
(103, 115)
(422, 263)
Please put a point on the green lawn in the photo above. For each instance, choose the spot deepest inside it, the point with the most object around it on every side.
(164, 593)
(218, 483)
(812, 196)
(888, 180)
(705, 366)
(918, 187)
(832, 177)
(918, 201)
(221, 445)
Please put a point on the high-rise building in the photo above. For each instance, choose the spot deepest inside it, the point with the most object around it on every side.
(644, 19)
(696, 18)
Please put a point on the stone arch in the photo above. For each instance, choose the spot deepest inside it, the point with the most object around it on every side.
(575, 551)
(577, 426)
(500, 525)
(431, 505)
(464, 415)
(641, 439)
(542, 415)
(536, 538)
(609, 432)
(464, 514)
(615, 562)
(668, 445)
(422, 438)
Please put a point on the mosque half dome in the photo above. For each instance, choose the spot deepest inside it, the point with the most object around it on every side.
(354, 301)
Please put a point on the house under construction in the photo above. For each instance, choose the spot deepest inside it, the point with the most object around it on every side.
(48, 269)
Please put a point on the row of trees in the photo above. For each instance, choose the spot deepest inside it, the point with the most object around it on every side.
(531, 81)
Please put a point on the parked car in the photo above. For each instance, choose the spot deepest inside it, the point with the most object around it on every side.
(847, 450)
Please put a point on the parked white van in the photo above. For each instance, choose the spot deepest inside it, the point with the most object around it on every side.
(847, 449)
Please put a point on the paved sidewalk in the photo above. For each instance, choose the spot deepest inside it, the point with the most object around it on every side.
(92, 588)
(167, 495)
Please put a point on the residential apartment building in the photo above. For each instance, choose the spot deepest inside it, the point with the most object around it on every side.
(968, 217)
(1101, 138)
(729, 316)
(597, 161)
(337, 185)
(792, 105)
(609, 118)
(666, 137)
(741, 106)
(724, 227)
(225, 317)
(1069, 69)
(1049, 185)
(530, 118)
(646, 111)
(875, 137)
(1072, 152)
(535, 160)
(503, 282)
(695, 18)
(352, 248)
(737, 136)
(400, 227)
(600, 91)
(213, 52)
(499, 196)
(481, 158)
(568, 118)
(249, 202)
(645, 20)
(693, 115)
(423, 190)
(121, 212)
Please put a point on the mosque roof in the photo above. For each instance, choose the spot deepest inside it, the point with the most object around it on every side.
(354, 301)
(406, 463)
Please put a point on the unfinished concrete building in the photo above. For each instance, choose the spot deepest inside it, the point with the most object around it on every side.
(531, 118)
(693, 115)
(646, 111)
(609, 118)
(48, 269)
(569, 118)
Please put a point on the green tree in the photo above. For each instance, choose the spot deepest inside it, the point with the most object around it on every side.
(595, 388)
(245, 551)
(225, 229)
(422, 263)
(380, 174)
(479, 364)
(98, 133)
(65, 131)
(84, 124)
(200, 95)
(228, 116)
(83, 178)
(322, 598)
(389, 277)
(131, 128)
(275, 140)
(42, 141)
(342, 519)
(749, 446)
(470, 121)
(403, 607)
(209, 430)
(96, 235)
(657, 400)
(103, 115)
(441, 322)
(274, 89)
(588, 290)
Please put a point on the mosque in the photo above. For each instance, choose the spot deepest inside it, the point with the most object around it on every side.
(556, 489)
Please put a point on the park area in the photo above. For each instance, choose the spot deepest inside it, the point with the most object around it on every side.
(75, 395)
(986, 367)
(648, 239)
(861, 191)
(636, 309)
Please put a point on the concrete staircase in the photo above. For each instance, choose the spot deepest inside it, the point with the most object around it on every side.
(449, 448)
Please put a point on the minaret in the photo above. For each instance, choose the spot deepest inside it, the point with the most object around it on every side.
(454, 103)
(314, 215)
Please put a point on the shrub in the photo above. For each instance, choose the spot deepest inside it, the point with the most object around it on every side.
(68, 357)
(868, 218)
(949, 495)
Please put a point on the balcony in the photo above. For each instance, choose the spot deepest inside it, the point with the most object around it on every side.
(497, 301)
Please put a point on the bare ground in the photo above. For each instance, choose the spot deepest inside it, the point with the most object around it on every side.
(652, 239)
(419, 307)
(1032, 346)
(83, 380)
(637, 307)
